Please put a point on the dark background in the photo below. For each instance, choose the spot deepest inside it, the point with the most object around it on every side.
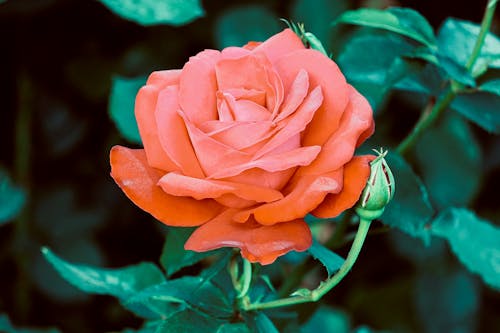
(56, 61)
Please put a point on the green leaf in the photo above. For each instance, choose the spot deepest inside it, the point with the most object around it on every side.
(404, 21)
(328, 258)
(153, 12)
(233, 328)
(7, 327)
(456, 40)
(492, 86)
(449, 158)
(410, 209)
(327, 319)
(454, 295)
(121, 283)
(481, 108)
(174, 257)
(12, 199)
(474, 241)
(456, 71)
(188, 321)
(121, 106)
(260, 323)
(189, 291)
(365, 61)
(239, 25)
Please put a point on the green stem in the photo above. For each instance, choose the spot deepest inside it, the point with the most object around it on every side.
(433, 111)
(326, 286)
(246, 279)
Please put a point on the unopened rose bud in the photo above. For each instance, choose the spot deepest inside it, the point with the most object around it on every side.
(379, 189)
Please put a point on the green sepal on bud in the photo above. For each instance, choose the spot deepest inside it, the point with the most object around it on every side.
(308, 38)
(379, 189)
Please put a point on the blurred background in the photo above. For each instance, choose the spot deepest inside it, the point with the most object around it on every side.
(59, 62)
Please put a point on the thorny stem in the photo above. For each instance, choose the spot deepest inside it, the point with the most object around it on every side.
(328, 284)
(433, 111)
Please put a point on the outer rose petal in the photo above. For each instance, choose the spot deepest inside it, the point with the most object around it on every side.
(356, 174)
(279, 45)
(162, 79)
(130, 170)
(180, 185)
(322, 72)
(305, 196)
(356, 123)
(145, 104)
(258, 243)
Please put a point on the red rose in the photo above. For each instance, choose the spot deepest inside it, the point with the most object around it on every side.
(244, 142)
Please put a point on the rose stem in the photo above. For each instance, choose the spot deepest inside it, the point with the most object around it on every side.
(432, 112)
(328, 284)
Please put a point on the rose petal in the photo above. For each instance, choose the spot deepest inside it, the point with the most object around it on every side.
(356, 121)
(162, 79)
(280, 44)
(305, 195)
(272, 163)
(322, 72)
(179, 185)
(262, 244)
(234, 52)
(197, 87)
(243, 134)
(130, 170)
(173, 135)
(356, 174)
(295, 97)
(145, 105)
(294, 124)
(211, 154)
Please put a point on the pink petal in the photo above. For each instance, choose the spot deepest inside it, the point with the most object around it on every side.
(197, 87)
(262, 244)
(272, 163)
(298, 91)
(173, 135)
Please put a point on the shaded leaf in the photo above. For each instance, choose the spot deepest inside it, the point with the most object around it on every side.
(492, 86)
(474, 241)
(410, 209)
(480, 108)
(456, 71)
(121, 106)
(449, 158)
(121, 283)
(189, 291)
(239, 25)
(327, 319)
(153, 12)
(174, 257)
(12, 199)
(259, 322)
(454, 295)
(328, 258)
(188, 321)
(456, 40)
(233, 328)
(404, 21)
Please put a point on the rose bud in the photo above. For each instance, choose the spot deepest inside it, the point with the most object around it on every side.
(379, 189)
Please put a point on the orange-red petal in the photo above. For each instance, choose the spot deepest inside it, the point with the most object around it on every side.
(356, 173)
(356, 123)
(305, 195)
(145, 105)
(322, 72)
(130, 170)
(258, 243)
(279, 45)
(179, 185)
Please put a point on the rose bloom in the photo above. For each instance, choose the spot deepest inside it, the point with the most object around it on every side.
(243, 143)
